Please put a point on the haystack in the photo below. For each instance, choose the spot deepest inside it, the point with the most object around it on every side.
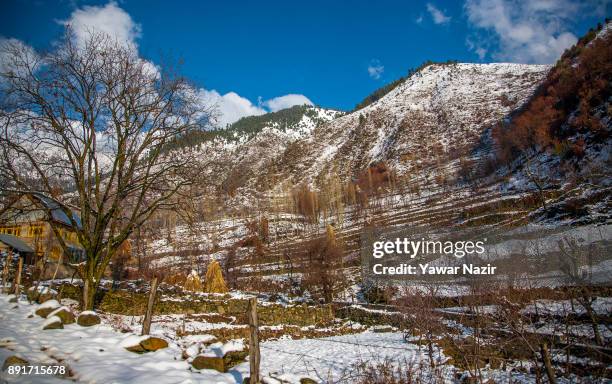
(214, 282)
(193, 282)
(331, 235)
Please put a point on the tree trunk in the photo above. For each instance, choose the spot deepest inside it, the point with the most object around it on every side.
(430, 351)
(536, 366)
(57, 265)
(146, 325)
(594, 323)
(550, 372)
(254, 354)
(538, 186)
(89, 293)
(18, 278)
(5, 273)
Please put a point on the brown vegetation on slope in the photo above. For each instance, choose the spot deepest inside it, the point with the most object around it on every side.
(565, 104)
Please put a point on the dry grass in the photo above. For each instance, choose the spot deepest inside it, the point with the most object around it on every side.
(214, 282)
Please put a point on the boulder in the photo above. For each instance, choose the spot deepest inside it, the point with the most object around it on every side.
(14, 361)
(40, 294)
(209, 362)
(87, 319)
(13, 299)
(233, 358)
(152, 344)
(53, 322)
(143, 344)
(136, 348)
(64, 314)
(44, 297)
(307, 380)
(47, 307)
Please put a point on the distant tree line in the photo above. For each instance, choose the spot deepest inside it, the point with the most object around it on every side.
(382, 91)
(246, 127)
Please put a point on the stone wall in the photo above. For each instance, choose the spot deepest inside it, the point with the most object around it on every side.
(133, 304)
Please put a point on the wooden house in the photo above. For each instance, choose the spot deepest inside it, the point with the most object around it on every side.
(29, 219)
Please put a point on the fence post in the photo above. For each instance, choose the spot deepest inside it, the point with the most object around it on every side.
(18, 277)
(5, 273)
(146, 325)
(254, 355)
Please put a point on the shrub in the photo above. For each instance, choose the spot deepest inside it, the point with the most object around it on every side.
(306, 202)
(375, 177)
(322, 276)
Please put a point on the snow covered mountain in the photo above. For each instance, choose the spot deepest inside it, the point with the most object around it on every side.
(433, 118)
(436, 115)
(426, 153)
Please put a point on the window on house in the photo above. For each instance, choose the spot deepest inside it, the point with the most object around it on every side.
(15, 231)
(35, 230)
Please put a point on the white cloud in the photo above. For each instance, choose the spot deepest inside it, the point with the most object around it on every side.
(109, 19)
(481, 52)
(526, 31)
(230, 107)
(419, 19)
(437, 15)
(286, 101)
(118, 24)
(477, 48)
(7, 58)
(375, 69)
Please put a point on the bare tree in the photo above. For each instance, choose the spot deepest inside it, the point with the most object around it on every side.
(420, 306)
(576, 263)
(88, 124)
(539, 181)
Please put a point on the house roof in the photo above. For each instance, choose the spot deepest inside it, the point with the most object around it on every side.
(57, 213)
(15, 243)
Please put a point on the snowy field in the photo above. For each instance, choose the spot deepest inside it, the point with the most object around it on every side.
(333, 359)
(96, 354)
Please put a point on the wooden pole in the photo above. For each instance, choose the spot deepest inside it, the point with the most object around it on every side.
(18, 277)
(550, 372)
(146, 325)
(254, 355)
(5, 273)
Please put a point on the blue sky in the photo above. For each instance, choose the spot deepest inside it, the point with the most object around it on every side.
(247, 55)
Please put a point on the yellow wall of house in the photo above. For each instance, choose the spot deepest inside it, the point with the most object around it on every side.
(40, 237)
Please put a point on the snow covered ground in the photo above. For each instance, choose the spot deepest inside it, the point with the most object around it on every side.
(333, 359)
(97, 355)
(93, 354)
